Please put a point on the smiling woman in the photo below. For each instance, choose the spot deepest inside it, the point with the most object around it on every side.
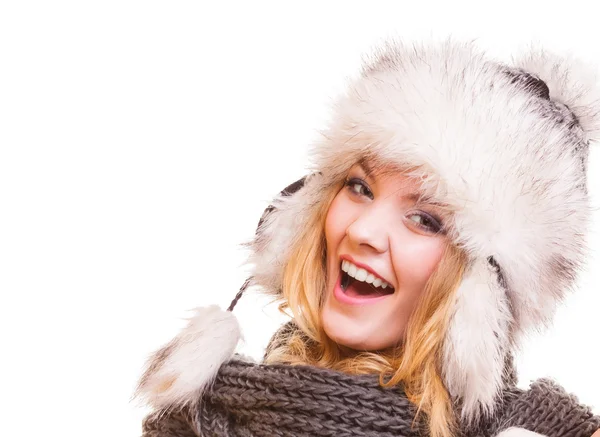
(376, 226)
(410, 274)
(379, 229)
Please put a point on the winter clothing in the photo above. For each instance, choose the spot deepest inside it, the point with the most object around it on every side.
(248, 399)
(505, 148)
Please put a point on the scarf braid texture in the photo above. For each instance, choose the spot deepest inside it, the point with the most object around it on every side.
(249, 399)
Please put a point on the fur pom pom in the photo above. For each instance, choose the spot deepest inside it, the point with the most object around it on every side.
(178, 373)
(571, 81)
(518, 432)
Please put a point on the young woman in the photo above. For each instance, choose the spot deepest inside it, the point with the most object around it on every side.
(444, 216)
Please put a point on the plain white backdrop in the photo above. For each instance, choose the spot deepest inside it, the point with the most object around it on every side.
(140, 142)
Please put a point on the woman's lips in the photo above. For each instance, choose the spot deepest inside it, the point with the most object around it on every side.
(364, 266)
(352, 300)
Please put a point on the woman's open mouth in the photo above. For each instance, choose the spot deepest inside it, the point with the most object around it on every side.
(354, 287)
(351, 290)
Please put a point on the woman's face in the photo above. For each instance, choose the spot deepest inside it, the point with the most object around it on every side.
(375, 228)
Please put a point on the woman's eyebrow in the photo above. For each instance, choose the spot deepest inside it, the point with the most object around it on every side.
(417, 197)
(420, 198)
(366, 168)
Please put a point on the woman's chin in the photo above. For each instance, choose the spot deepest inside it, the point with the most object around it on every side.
(357, 333)
(344, 330)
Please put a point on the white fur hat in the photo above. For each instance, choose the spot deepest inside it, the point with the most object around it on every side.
(505, 146)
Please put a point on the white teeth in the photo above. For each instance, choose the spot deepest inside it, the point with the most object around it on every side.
(362, 275)
(352, 270)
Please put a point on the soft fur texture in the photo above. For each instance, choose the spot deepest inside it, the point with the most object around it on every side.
(518, 432)
(472, 355)
(570, 82)
(177, 374)
(510, 164)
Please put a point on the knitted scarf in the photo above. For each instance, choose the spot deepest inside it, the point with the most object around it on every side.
(250, 399)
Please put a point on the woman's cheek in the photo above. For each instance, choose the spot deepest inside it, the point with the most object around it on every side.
(333, 222)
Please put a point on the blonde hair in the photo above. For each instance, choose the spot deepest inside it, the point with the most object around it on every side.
(416, 364)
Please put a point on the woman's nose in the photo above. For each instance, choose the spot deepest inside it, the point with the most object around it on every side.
(370, 228)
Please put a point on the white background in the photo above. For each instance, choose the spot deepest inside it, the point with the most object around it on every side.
(140, 143)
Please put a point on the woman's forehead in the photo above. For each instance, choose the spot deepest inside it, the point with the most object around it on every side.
(390, 172)
(409, 181)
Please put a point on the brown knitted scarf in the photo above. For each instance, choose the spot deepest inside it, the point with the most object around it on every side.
(249, 399)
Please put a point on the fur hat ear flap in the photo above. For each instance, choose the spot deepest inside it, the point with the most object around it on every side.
(571, 81)
(178, 373)
(477, 342)
(279, 229)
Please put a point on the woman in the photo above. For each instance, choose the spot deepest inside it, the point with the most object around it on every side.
(443, 218)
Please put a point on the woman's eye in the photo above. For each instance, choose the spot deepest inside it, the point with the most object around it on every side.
(421, 219)
(425, 221)
(359, 188)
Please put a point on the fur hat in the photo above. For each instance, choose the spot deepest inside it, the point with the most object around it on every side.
(505, 147)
